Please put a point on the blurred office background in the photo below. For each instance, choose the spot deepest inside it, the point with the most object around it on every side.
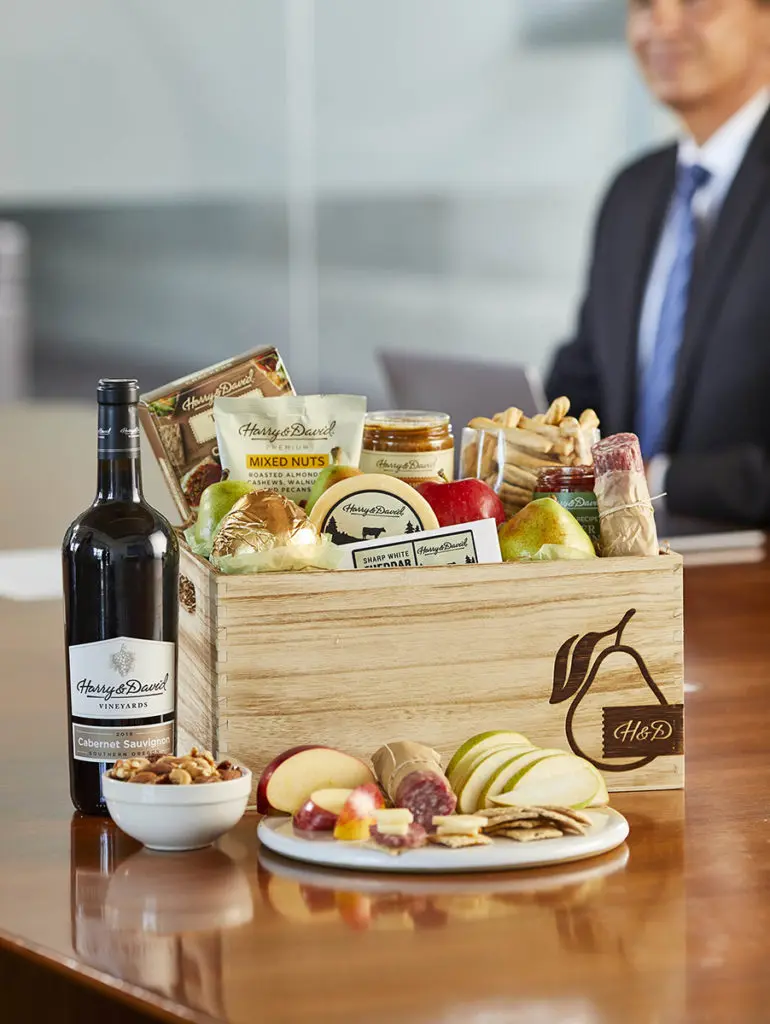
(338, 177)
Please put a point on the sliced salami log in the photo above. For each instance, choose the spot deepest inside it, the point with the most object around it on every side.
(626, 515)
(414, 838)
(426, 794)
(618, 453)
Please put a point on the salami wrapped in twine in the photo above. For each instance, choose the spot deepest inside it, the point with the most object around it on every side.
(393, 762)
(626, 515)
(411, 775)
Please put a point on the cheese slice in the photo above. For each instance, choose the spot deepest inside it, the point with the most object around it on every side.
(370, 506)
(458, 824)
(394, 816)
(394, 830)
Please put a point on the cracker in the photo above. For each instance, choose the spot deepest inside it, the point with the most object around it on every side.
(561, 820)
(457, 842)
(491, 830)
(493, 814)
(579, 816)
(523, 835)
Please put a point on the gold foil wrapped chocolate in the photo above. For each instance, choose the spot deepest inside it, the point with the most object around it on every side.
(266, 532)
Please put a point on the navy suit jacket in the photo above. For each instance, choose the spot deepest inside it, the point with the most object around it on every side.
(718, 434)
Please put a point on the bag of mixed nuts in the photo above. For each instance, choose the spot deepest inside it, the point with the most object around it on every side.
(282, 444)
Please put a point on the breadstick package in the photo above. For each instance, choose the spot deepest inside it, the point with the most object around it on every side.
(509, 449)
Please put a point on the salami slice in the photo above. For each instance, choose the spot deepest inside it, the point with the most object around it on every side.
(619, 453)
(414, 838)
(426, 794)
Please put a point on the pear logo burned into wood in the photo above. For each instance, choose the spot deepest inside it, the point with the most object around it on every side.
(639, 731)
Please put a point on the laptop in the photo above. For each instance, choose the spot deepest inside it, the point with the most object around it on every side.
(464, 388)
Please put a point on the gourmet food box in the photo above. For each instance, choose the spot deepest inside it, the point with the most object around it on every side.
(576, 652)
(581, 655)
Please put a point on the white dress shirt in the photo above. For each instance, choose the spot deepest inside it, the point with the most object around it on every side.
(722, 155)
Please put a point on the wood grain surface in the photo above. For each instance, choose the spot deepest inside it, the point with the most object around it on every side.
(670, 928)
(353, 659)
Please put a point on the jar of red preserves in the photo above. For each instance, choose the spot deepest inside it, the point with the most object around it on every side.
(573, 488)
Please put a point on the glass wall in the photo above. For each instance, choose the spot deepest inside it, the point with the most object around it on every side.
(339, 178)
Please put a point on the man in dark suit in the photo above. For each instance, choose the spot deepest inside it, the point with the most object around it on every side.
(673, 339)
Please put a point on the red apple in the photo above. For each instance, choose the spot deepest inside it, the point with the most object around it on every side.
(463, 501)
(290, 778)
(320, 811)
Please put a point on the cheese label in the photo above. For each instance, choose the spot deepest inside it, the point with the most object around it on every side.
(470, 544)
(370, 514)
(370, 506)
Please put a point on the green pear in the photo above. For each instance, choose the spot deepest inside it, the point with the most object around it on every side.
(539, 523)
(216, 501)
(327, 478)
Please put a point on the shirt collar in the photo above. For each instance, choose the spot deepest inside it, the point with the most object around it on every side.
(723, 153)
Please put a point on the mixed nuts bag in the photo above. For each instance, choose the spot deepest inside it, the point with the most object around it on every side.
(282, 444)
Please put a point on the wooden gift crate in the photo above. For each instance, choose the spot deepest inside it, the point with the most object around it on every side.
(354, 659)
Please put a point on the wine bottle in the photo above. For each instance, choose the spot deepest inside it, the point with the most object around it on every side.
(121, 570)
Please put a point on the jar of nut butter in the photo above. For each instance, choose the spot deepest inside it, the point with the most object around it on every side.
(413, 446)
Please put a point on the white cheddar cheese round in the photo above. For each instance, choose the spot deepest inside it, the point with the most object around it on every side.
(369, 506)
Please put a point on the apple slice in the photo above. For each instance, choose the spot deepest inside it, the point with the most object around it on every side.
(469, 788)
(561, 781)
(291, 777)
(357, 816)
(320, 811)
(482, 743)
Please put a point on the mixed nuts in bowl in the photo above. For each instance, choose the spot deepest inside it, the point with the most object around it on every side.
(176, 803)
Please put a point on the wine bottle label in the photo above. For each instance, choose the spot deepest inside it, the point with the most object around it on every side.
(110, 742)
(118, 432)
(122, 678)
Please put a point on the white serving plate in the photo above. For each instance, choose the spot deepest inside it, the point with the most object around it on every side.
(608, 829)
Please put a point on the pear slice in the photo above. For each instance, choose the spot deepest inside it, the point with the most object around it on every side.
(602, 797)
(482, 769)
(462, 775)
(562, 781)
(518, 762)
(480, 744)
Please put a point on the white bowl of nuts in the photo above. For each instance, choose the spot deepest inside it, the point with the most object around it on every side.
(176, 803)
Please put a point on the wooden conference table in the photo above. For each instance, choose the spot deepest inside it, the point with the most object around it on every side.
(672, 927)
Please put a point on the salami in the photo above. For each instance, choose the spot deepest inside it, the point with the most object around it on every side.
(426, 794)
(626, 515)
(618, 453)
(415, 837)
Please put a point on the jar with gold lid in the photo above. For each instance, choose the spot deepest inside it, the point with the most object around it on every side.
(573, 488)
(413, 446)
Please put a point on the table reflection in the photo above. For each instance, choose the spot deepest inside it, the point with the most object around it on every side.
(362, 901)
(154, 919)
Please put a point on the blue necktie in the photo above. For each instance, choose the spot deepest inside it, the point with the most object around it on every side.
(658, 378)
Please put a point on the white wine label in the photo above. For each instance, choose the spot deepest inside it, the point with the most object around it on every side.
(122, 678)
(110, 742)
(412, 467)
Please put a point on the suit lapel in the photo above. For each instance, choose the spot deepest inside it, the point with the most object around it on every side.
(640, 245)
(721, 258)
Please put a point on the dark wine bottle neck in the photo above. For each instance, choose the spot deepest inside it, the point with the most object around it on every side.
(119, 472)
